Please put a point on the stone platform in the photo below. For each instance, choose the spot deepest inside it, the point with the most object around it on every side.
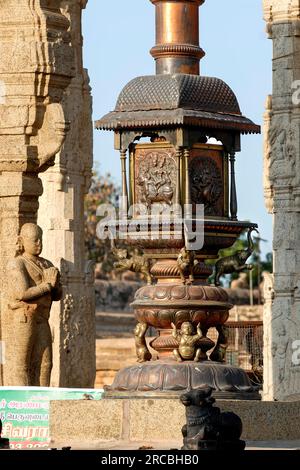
(113, 423)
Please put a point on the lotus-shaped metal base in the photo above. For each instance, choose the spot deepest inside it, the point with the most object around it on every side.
(169, 379)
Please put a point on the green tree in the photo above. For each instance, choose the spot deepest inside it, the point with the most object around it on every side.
(103, 190)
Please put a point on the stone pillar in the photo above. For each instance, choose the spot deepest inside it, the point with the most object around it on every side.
(282, 195)
(61, 215)
(36, 67)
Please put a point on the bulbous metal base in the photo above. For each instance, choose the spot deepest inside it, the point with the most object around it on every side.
(169, 379)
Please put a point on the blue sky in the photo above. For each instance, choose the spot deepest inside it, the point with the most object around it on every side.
(117, 38)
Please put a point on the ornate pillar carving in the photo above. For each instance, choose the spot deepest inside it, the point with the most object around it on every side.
(61, 215)
(36, 67)
(282, 190)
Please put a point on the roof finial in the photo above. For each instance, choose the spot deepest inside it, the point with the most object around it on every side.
(177, 47)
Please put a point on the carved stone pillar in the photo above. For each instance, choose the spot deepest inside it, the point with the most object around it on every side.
(268, 293)
(61, 215)
(36, 67)
(282, 191)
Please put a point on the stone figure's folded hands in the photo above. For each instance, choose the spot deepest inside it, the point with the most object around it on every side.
(51, 275)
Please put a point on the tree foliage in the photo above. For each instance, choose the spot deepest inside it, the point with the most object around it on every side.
(103, 190)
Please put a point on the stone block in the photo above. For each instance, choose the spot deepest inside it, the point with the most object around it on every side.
(86, 420)
(153, 420)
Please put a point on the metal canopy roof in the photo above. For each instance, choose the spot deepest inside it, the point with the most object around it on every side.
(177, 100)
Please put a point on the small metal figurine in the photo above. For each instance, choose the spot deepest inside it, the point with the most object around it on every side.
(219, 352)
(188, 349)
(186, 263)
(137, 263)
(207, 428)
(236, 262)
(142, 351)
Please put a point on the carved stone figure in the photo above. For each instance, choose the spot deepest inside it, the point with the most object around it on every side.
(207, 428)
(33, 284)
(219, 352)
(156, 180)
(142, 351)
(187, 342)
(281, 156)
(136, 263)
(236, 262)
(186, 263)
(206, 184)
(279, 349)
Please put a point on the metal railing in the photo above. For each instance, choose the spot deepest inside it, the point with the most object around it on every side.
(245, 348)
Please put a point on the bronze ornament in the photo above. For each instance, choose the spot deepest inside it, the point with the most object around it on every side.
(142, 351)
(135, 263)
(236, 262)
(172, 175)
(155, 179)
(186, 264)
(219, 353)
(188, 343)
(206, 184)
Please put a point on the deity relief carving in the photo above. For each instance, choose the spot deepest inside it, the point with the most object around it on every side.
(75, 319)
(280, 151)
(156, 179)
(77, 326)
(206, 184)
(279, 349)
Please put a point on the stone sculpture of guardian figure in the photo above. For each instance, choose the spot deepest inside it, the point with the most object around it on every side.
(33, 283)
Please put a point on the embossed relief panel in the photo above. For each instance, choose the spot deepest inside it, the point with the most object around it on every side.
(208, 169)
(153, 175)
